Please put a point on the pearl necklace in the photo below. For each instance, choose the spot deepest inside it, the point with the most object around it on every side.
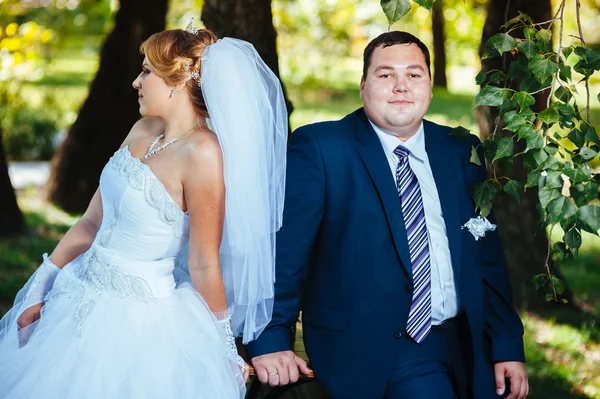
(153, 151)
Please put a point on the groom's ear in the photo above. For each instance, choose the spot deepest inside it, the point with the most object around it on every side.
(362, 85)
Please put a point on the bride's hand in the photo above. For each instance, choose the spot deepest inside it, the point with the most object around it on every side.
(245, 371)
(30, 315)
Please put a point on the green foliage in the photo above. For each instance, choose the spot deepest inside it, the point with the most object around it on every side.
(27, 134)
(560, 144)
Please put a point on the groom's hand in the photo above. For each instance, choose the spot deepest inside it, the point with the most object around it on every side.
(279, 368)
(516, 373)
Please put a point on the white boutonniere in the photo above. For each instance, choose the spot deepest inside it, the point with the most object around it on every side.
(478, 226)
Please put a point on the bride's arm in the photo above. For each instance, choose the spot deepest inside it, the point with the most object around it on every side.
(204, 191)
(75, 242)
(80, 236)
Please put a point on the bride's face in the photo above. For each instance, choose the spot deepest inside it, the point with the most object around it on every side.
(153, 92)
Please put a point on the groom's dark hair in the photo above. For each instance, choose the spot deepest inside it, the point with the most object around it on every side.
(388, 39)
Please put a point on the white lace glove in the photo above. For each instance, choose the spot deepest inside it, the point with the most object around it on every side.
(40, 284)
(224, 326)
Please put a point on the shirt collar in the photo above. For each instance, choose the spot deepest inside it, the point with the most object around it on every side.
(415, 144)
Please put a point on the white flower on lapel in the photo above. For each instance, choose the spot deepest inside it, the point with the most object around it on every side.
(478, 226)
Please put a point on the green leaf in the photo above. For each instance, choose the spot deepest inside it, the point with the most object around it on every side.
(524, 99)
(591, 134)
(533, 179)
(506, 148)
(563, 94)
(529, 32)
(578, 173)
(497, 77)
(543, 68)
(489, 149)
(460, 132)
(548, 194)
(590, 216)
(551, 148)
(553, 180)
(589, 61)
(559, 252)
(573, 238)
(484, 192)
(534, 140)
(475, 156)
(530, 85)
(565, 72)
(549, 115)
(425, 3)
(560, 208)
(526, 130)
(558, 284)
(512, 22)
(480, 78)
(517, 69)
(492, 96)
(503, 42)
(567, 51)
(395, 9)
(587, 153)
(544, 37)
(528, 48)
(576, 136)
(489, 51)
(532, 159)
(513, 187)
(584, 193)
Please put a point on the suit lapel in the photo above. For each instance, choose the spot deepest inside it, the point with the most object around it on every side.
(374, 159)
(446, 170)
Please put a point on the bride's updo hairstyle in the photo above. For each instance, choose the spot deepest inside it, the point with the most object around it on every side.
(175, 54)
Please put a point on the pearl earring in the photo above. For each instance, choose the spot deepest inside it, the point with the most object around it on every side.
(173, 92)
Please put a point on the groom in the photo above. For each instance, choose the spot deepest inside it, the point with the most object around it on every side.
(398, 300)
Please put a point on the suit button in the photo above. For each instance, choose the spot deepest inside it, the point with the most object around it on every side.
(398, 334)
(408, 289)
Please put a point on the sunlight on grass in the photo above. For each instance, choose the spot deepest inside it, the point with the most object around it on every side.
(561, 359)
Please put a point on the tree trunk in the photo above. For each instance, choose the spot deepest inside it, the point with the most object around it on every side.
(524, 238)
(439, 45)
(253, 23)
(11, 218)
(110, 110)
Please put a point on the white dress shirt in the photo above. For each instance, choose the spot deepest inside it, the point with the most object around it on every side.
(444, 300)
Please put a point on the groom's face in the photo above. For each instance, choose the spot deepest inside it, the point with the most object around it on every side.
(396, 89)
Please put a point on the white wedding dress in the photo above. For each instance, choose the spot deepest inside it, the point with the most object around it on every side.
(121, 321)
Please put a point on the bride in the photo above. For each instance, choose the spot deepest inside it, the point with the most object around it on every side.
(174, 256)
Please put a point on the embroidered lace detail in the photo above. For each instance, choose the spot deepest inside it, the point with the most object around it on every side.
(230, 347)
(98, 274)
(108, 232)
(141, 177)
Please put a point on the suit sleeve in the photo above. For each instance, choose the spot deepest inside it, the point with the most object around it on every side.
(302, 215)
(503, 325)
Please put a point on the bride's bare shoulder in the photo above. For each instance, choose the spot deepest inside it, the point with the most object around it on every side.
(145, 127)
(203, 149)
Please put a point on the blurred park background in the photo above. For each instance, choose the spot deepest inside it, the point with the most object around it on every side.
(66, 102)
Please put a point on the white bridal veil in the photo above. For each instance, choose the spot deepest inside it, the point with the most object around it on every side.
(248, 114)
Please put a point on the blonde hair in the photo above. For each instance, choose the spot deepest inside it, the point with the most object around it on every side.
(174, 54)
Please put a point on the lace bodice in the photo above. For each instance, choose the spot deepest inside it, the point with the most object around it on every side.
(141, 222)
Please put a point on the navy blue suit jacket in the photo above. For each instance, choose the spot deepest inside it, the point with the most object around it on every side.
(342, 255)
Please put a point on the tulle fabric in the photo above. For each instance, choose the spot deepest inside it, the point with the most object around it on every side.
(168, 348)
(247, 112)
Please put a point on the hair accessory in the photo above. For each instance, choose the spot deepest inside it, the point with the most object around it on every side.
(196, 76)
(190, 28)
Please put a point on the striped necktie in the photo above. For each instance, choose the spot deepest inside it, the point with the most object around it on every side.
(419, 318)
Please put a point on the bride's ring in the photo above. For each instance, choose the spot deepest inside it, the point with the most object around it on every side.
(273, 373)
